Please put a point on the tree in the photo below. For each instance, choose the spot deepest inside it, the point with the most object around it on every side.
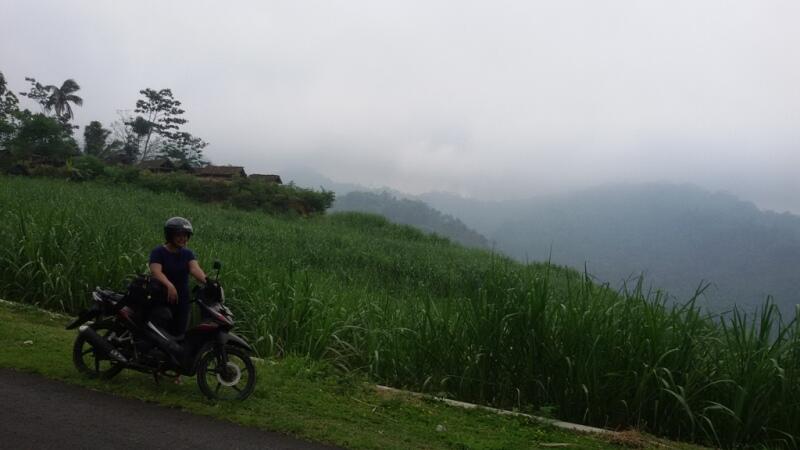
(162, 112)
(9, 109)
(94, 138)
(37, 93)
(184, 149)
(42, 137)
(125, 139)
(61, 97)
(8, 101)
(54, 98)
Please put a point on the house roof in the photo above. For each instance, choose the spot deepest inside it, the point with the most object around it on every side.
(220, 171)
(267, 178)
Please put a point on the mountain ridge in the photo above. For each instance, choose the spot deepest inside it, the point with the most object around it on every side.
(678, 235)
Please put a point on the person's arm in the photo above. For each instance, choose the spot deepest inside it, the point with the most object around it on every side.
(158, 274)
(197, 272)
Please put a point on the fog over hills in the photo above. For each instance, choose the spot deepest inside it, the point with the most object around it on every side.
(396, 206)
(411, 212)
(676, 235)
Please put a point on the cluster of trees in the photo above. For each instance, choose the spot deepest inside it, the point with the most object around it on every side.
(25, 134)
(42, 143)
(153, 131)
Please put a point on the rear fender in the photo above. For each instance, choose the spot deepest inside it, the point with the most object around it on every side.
(86, 315)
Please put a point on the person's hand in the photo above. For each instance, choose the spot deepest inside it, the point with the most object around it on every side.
(172, 294)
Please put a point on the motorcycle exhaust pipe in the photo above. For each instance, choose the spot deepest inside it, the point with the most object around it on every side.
(100, 343)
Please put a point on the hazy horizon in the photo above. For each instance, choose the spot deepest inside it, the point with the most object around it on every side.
(486, 100)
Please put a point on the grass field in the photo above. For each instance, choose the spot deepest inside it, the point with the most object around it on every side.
(416, 311)
(297, 396)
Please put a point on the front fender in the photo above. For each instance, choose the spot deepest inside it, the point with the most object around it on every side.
(237, 341)
(218, 342)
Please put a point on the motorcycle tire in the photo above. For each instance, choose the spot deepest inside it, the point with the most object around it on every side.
(236, 381)
(86, 359)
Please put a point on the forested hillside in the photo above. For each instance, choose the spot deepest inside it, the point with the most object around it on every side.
(677, 235)
(411, 212)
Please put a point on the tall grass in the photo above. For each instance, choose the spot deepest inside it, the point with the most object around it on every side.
(416, 311)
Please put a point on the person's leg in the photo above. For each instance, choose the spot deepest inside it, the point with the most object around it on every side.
(180, 318)
(180, 322)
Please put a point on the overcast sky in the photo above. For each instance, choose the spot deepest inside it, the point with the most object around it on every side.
(487, 99)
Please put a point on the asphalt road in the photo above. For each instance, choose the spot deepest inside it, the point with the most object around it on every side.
(39, 413)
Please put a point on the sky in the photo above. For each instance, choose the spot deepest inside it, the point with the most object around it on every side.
(492, 99)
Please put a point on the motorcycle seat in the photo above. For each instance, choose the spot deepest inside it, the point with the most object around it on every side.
(162, 330)
(108, 294)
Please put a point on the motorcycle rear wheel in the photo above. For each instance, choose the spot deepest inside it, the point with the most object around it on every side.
(89, 361)
(234, 381)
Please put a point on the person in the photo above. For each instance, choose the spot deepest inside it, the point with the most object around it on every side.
(171, 264)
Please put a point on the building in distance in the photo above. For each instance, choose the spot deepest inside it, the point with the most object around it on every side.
(269, 179)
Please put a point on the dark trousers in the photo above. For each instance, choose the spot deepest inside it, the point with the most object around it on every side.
(181, 312)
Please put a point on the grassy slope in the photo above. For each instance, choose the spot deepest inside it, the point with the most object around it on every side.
(416, 311)
(295, 396)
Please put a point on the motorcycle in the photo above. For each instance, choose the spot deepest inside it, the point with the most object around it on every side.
(121, 331)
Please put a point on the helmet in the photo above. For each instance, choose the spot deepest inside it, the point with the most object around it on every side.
(175, 225)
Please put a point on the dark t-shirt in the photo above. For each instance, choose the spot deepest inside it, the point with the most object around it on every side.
(176, 267)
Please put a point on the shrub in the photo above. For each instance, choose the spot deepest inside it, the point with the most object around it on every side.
(46, 170)
(42, 137)
(121, 174)
(86, 167)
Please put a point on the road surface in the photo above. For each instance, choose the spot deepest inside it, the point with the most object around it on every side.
(36, 412)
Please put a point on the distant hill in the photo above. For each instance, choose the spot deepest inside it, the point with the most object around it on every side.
(410, 212)
(677, 235)
(396, 206)
(308, 178)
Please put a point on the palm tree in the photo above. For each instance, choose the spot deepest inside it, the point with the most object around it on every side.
(60, 99)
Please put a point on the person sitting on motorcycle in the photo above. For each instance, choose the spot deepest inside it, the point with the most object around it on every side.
(171, 264)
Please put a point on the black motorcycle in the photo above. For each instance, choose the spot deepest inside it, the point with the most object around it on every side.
(123, 331)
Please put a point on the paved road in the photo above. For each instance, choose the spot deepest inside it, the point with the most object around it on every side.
(36, 412)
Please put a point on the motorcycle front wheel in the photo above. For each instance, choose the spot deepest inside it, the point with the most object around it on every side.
(233, 380)
(89, 361)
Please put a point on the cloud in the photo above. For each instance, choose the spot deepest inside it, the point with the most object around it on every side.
(488, 99)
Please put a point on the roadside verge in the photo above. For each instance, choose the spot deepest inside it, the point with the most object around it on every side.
(303, 398)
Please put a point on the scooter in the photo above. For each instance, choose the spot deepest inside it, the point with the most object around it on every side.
(122, 331)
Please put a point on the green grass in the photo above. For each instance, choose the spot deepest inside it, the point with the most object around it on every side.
(415, 311)
(296, 396)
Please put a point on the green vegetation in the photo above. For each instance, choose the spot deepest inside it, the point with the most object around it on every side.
(41, 145)
(297, 396)
(243, 193)
(416, 311)
(39, 138)
(677, 234)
